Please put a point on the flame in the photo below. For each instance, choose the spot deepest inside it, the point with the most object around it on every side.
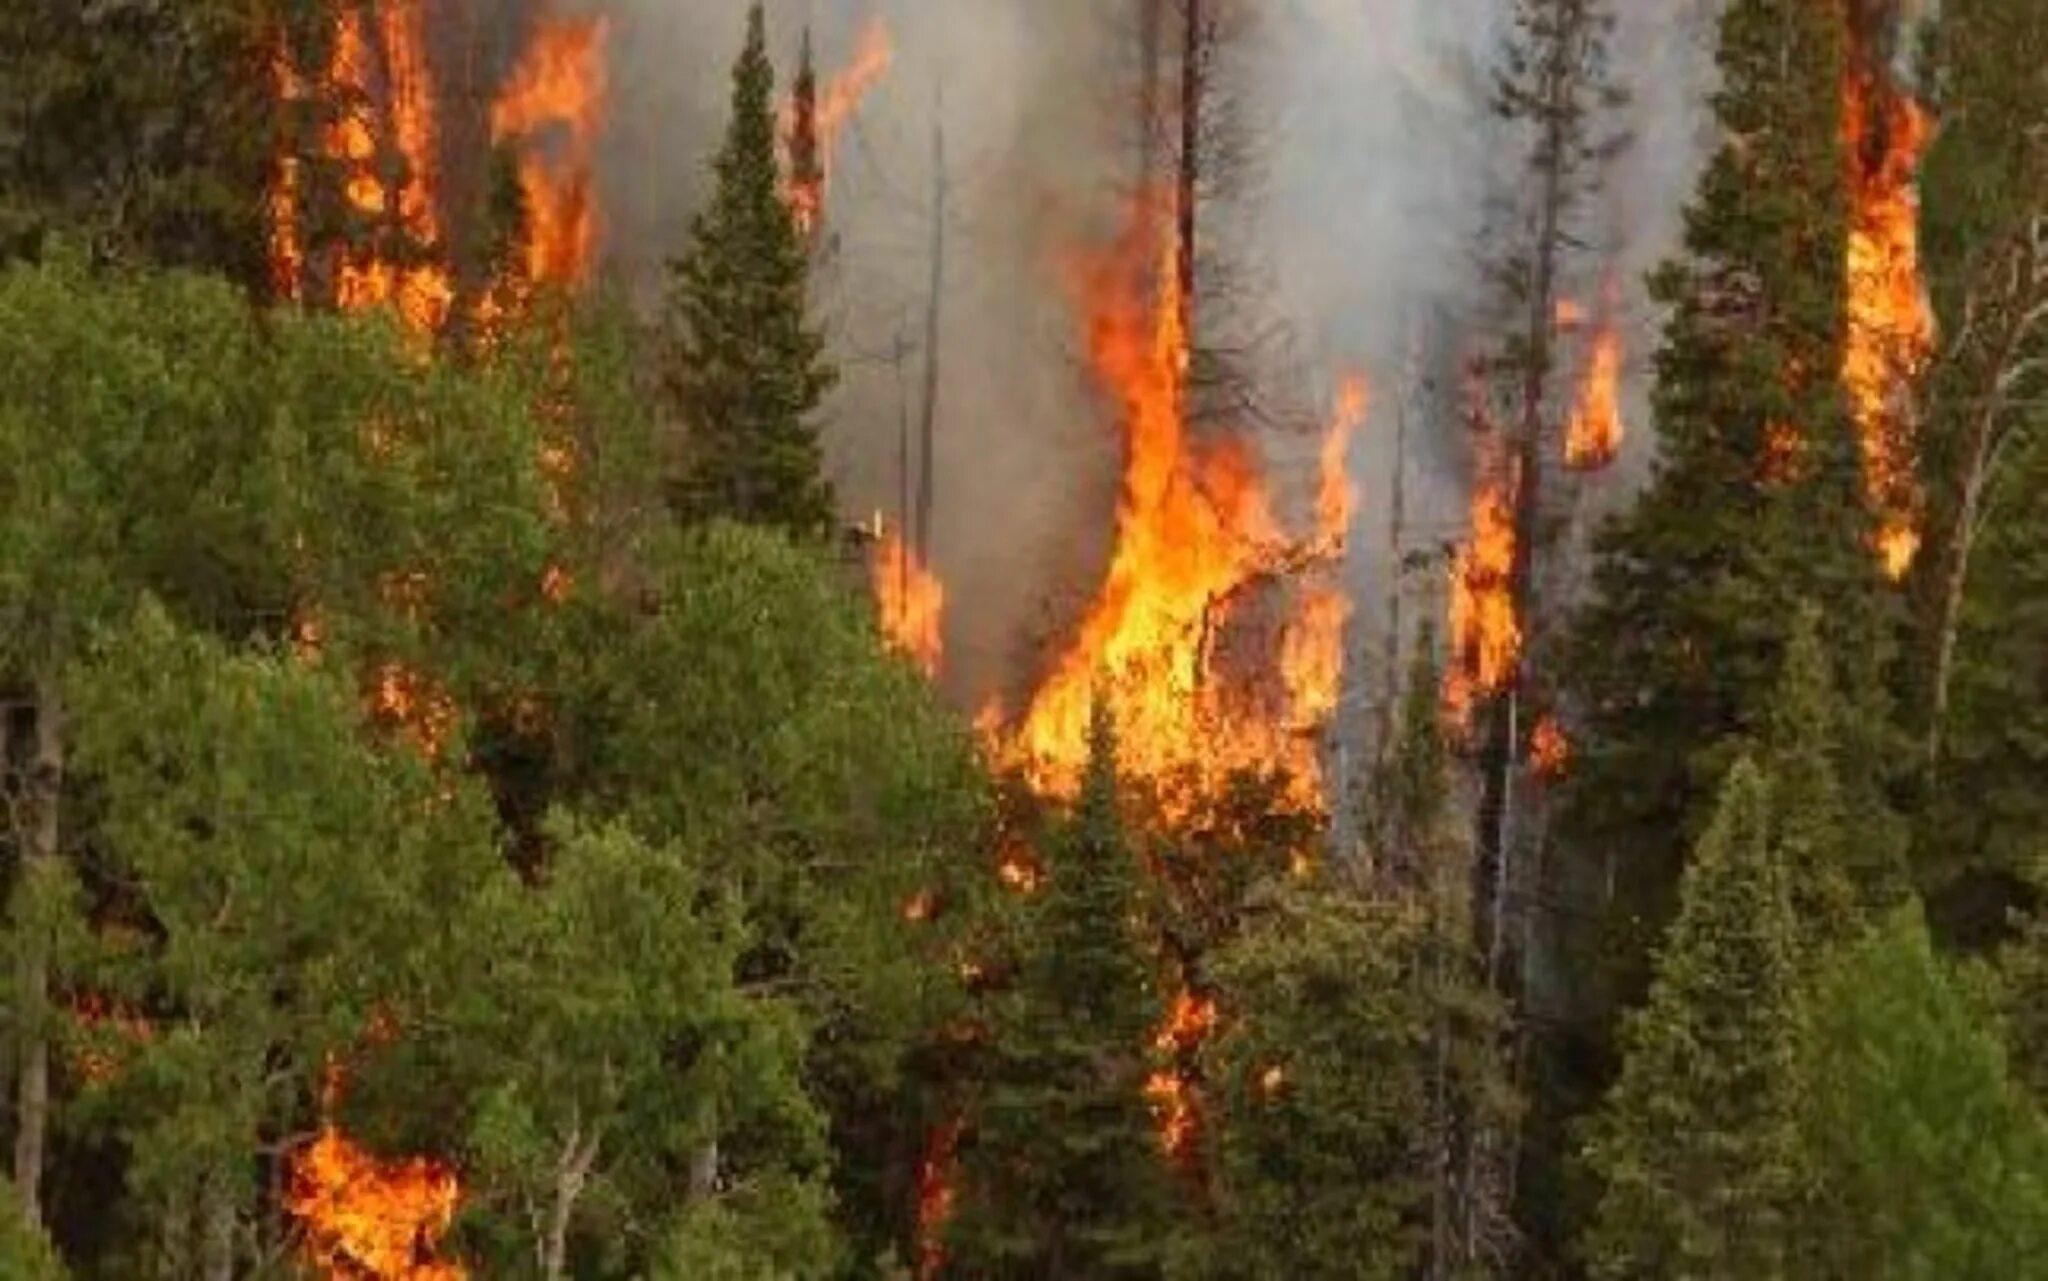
(1486, 637)
(1171, 1089)
(1272, 1080)
(935, 1198)
(1570, 313)
(836, 103)
(1594, 435)
(365, 1218)
(1891, 330)
(112, 1030)
(558, 92)
(1549, 750)
(911, 601)
(1195, 539)
(402, 698)
(420, 288)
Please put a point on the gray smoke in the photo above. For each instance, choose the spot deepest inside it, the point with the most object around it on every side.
(1381, 165)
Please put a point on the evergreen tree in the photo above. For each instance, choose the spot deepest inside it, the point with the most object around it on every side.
(1928, 1159)
(25, 1253)
(1064, 1175)
(1697, 1146)
(1833, 878)
(1318, 1077)
(745, 368)
(1756, 500)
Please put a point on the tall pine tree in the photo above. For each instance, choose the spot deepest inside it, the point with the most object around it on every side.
(1756, 502)
(1697, 1147)
(1064, 1175)
(746, 367)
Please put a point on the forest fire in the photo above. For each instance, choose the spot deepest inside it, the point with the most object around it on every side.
(359, 137)
(1891, 323)
(1171, 1092)
(812, 122)
(1195, 542)
(551, 107)
(911, 601)
(935, 1199)
(1593, 437)
(1486, 637)
(364, 1219)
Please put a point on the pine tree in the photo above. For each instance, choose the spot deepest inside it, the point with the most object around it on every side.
(745, 368)
(1836, 870)
(1697, 1146)
(1065, 1175)
(1928, 1159)
(1756, 501)
(1316, 1174)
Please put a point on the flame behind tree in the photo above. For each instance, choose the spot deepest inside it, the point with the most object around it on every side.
(1486, 635)
(911, 601)
(1891, 323)
(551, 108)
(377, 97)
(1595, 431)
(814, 117)
(1195, 540)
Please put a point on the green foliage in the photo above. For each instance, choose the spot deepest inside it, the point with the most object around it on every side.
(25, 1253)
(746, 367)
(774, 1230)
(1063, 1172)
(103, 138)
(598, 1026)
(1756, 500)
(1697, 1145)
(1317, 1174)
(1930, 1162)
(284, 884)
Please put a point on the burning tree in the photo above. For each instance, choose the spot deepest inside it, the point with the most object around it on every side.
(745, 368)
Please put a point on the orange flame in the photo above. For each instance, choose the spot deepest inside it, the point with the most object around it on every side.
(1195, 538)
(1593, 437)
(1549, 750)
(1486, 637)
(1891, 323)
(911, 601)
(558, 91)
(365, 1218)
(837, 102)
(935, 1199)
(421, 287)
(1170, 1089)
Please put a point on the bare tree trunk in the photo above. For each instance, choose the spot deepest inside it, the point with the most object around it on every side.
(935, 291)
(572, 1172)
(2025, 312)
(217, 1231)
(704, 1172)
(39, 867)
(1195, 42)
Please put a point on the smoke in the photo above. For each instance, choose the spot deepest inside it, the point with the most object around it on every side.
(1380, 166)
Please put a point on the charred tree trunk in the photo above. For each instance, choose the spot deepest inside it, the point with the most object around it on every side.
(39, 871)
(2023, 312)
(935, 292)
(1196, 39)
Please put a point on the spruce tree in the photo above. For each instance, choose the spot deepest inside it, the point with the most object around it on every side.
(745, 368)
(1834, 875)
(1065, 1174)
(1756, 500)
(1697, 1147)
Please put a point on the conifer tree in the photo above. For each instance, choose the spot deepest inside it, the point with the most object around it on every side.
(1833, 875)
(1315, 1152)
(1928, 1158)
(1756, 501)
(745, 368)
(1065, 1175)
(1697, 1147)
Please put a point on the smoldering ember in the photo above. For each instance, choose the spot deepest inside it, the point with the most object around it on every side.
(1104, 640)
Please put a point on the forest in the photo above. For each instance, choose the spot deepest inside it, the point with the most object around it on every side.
(1101, 640)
